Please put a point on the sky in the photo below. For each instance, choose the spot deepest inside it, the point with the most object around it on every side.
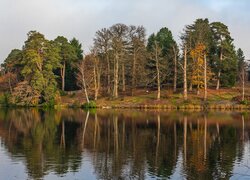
(82, 18)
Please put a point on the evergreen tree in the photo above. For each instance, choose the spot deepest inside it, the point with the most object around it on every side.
(70, 78)
(68, 55)
(225, 60)
(166, 43)
(40, 58)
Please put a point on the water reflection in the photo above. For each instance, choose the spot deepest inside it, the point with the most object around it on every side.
(124, 144)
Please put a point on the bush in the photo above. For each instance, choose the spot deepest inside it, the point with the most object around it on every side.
(5, 99)
(238, 99)
(89, 105)
(50, 104)
(63, 93)
(245, 102)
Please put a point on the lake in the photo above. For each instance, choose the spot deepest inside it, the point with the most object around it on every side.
(123, 144)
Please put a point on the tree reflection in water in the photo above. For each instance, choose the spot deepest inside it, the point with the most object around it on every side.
(126, 144)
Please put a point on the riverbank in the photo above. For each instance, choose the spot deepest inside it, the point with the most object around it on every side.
(224, 99)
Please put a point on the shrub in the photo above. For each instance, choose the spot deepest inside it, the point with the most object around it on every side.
(89, 105)
(245, 102)
(5, 99)
(238, 99)
(63, 93)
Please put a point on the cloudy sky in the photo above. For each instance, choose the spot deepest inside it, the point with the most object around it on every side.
(81, 18)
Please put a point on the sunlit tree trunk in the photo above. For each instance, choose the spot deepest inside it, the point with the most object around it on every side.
(81, 79)
(185, 74)
(218, 81)
(98, 81)
(191, 86)
(63, 75)
(96, 72)
(158, 72)
(219, 72)
(123, 78)
(85, 90)
(95, 82)
(205, 77)
(243, 83)
(198, 89)
(175, 68)
(116, 80)
(109, 79)
(133, 73)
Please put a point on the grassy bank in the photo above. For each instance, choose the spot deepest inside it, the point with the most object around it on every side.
(143, 99)
(223, 99)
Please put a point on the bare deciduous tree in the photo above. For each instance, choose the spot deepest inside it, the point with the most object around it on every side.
(81, 78)
(119, 41)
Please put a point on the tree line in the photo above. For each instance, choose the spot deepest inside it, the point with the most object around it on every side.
(122, 60)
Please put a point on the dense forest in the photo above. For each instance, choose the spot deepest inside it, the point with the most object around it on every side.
(121, 61)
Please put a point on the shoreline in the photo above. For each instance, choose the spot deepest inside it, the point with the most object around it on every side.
(196, 107)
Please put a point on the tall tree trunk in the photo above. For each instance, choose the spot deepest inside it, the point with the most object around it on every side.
(218, 81)
(219, 72)
(243, 83)
(109, 79)
(84, 86)
(205, 77)
(95, 83)
(191, 86)
(198, 89)
(158, 72)
(133, 73)
(175, 68)
(98, 74)
(185, 74)
(63, 75)
(123, 78)
(116, 80)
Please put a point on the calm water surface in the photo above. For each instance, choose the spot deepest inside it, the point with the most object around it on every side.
(123, 144)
